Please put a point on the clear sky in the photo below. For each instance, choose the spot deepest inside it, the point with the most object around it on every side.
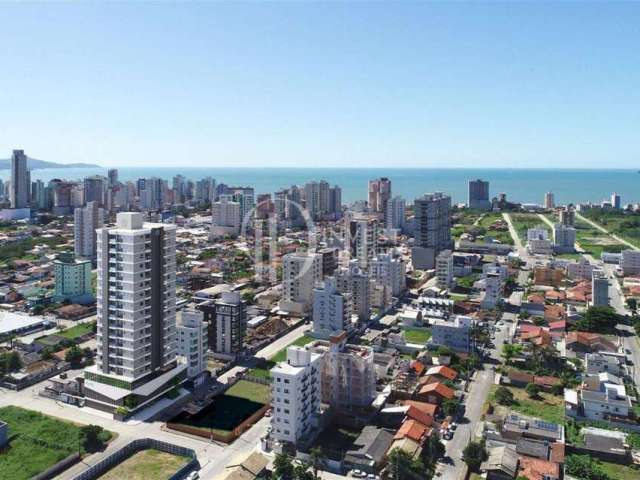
(322, 84)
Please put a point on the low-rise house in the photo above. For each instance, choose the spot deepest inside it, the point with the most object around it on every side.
(533, 448)
(607, 445)
(435, 393)
(554, 313)
(370, 449)
(585, 342)
(610, 401)
(428, 408)
(254, 467)
(501, 464)
(601, 362)
(414, 430)
(440, 373)
(537, 469)
(413, 448)
(517, 426)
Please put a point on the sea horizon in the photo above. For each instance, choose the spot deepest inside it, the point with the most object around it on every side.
(521, 184)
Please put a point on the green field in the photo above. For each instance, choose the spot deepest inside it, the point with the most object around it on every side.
(262, 371)
(524, 221)
(594, 241)
(230, 409)
(78, 331)
(625, 226)
(147, 465)
(548, 407)
(462, 221)
(417, 335)
(615, 471)
(36, 443)
(482, 229)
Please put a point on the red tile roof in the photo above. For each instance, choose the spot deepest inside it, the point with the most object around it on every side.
(428, 408)
(444, 371)
(411, 429)
(557, 453)
(418, 367)
(536, 469)
(559, 325)
(421, 416)
(439, 388)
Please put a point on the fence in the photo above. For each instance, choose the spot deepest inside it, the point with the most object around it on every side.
(58, 468)
(134, 447)
(219, 437)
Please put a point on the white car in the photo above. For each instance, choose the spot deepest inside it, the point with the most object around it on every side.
(193, 476)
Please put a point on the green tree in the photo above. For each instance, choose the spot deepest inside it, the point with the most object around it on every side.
(532, 390)
(450, 406)
(301, 472)
(91, 436)
(632, 304)
(74, 356)
(584, 467)
(402, 466)
(509, 351)
(504, 396)
(598, 319)
(14, 362)
(283, 467)
(474, 454)
(434, 448)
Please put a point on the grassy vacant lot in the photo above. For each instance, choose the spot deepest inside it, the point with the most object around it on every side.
(548, 407)
(615, 471)
(501, 235)
(593, 241)
(147, 465)
(417, 335)
(77, 331)
(263, 370)
(230, 409)
(36, 442)
(616, 222)
(524, 221)
(18, 250)
(463, 219)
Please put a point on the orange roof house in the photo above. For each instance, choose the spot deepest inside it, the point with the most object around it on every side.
(586, 342)
(436, 393)
(536, 469)
(443, 371)
(414, 430)
(428, 408)
(415, 413)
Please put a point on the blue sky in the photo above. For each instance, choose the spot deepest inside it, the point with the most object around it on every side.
(323, 84)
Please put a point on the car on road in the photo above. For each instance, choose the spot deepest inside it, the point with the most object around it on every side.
(193, 476)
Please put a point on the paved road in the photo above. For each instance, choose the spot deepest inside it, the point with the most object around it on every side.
(212, 456)
(604, 230)
(475, 398)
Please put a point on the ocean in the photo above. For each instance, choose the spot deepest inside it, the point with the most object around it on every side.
(521, 185)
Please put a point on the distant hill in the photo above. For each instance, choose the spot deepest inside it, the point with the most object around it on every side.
(34, 164)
